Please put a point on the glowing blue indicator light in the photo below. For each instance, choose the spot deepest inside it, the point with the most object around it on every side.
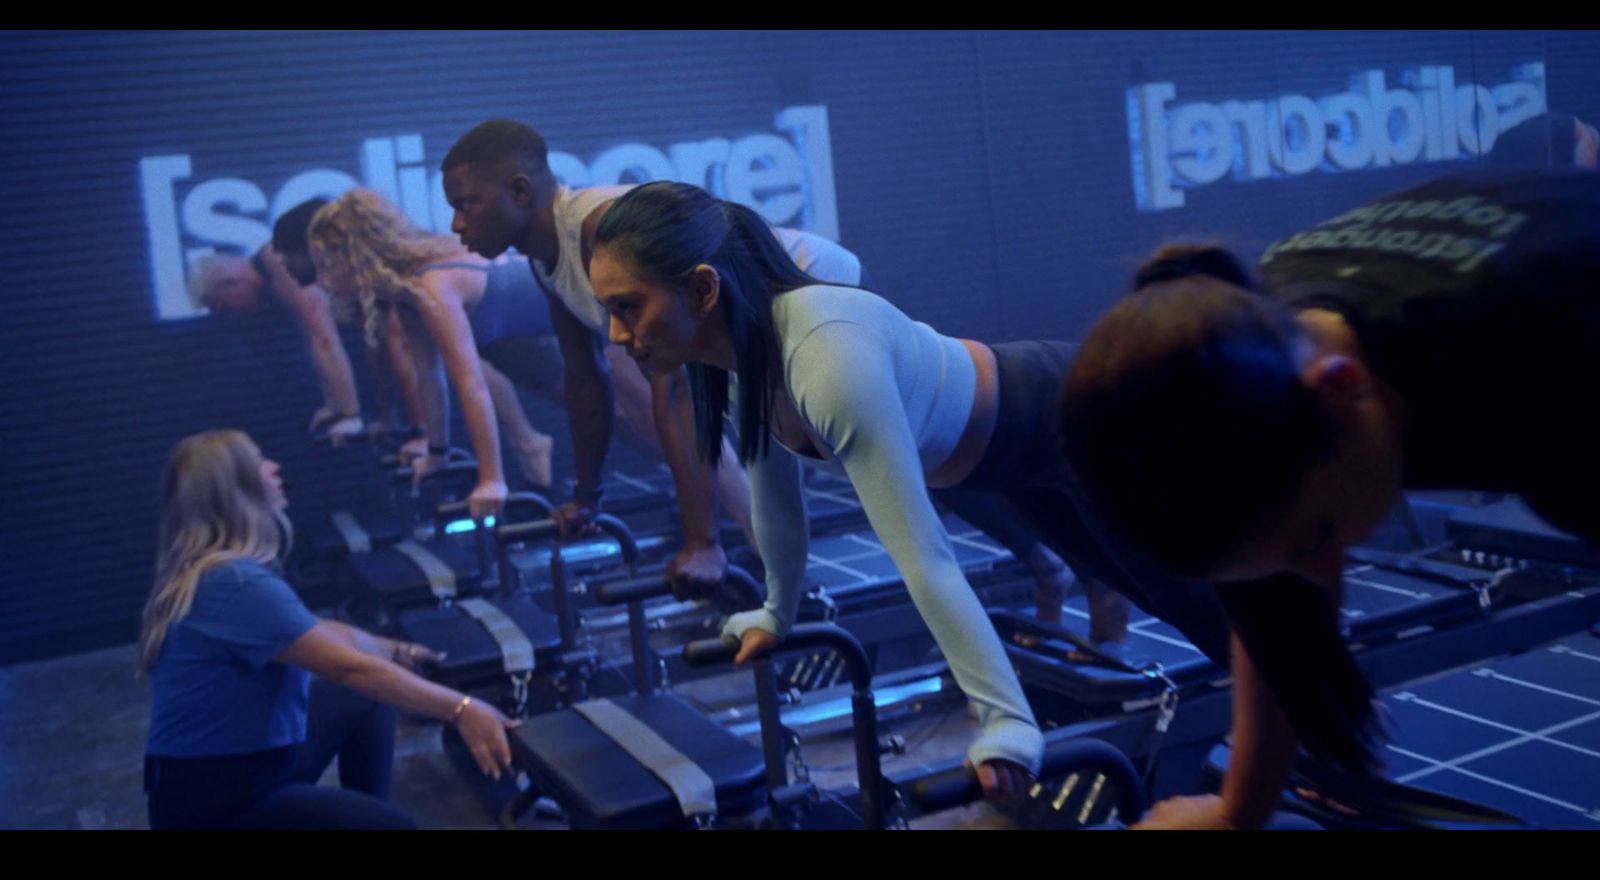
(465, 525)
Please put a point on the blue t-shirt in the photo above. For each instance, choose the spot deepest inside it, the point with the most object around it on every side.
(215, 689)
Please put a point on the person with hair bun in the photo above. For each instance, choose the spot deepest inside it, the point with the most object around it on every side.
(843, 379)
(1438, 338)
(239, 731)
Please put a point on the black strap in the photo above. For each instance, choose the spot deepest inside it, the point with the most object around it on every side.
(1421, 569)
(1083, 645)
(1166, 703)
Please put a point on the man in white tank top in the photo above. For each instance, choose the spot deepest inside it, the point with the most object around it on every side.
(497, 178)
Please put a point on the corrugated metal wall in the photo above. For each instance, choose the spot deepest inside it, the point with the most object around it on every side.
(984, 179)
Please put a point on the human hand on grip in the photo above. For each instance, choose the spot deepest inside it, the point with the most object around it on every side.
(486, 500)
(576, 518)
(483, 729)
(696, 570)
(411, 450)
(1002, 779)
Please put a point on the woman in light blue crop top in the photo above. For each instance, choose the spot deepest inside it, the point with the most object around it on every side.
(840, 376)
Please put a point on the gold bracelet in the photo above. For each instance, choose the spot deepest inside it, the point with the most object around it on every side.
(460, 707)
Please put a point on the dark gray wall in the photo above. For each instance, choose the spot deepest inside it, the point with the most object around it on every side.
(987, 179)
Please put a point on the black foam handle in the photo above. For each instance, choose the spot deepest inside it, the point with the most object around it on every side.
(944, 790)
(548, 528)
(710, 652)
(636, 589)
(451, 510)
(518, 507)
(959, 785)
(736, 581)
(805, 637)
(509, 533)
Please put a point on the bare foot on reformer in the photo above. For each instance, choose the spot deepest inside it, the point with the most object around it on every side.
(1053, 583)
(1108, 618)
(534, 459)
(1108, 615)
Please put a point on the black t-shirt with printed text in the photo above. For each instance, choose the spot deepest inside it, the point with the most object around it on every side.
(1477, 298)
